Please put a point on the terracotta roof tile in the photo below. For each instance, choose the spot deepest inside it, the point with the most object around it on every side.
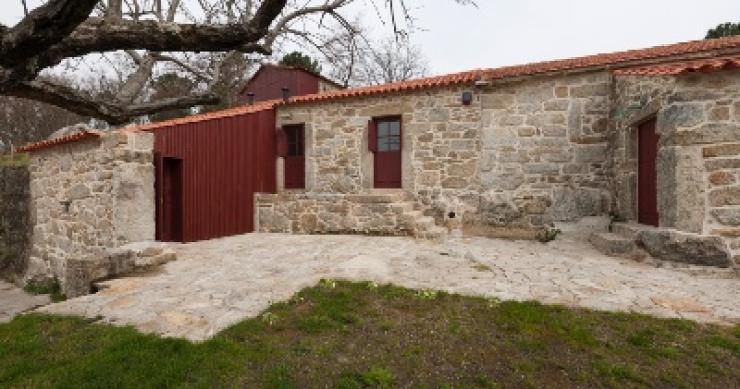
(417, 84)
(622, 58)
(240, 110)
(676, 68)
(44, 144)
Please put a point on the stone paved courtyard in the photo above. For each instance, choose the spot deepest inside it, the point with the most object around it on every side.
(216, 283)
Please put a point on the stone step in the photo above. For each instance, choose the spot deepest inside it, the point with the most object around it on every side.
(378, 198)
(627, 230)
(405, 207)
(613, 244)
(433, 233)
(425, 223)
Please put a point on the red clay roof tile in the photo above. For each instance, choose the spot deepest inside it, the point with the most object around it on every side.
(676, 68)
(621, 58)
(610, 60)
(44, 144)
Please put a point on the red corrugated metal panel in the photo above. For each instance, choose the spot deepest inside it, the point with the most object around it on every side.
(224, 162)
(268, 82)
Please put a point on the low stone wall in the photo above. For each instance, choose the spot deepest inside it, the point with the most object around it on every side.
(324, 213)
(14, 221)
(88, 197)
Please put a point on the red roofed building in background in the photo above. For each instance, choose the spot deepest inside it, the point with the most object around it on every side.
(271, 81)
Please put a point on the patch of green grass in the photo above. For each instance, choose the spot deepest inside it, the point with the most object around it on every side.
(358, 335)
(375, 377)
(617, 372)
(50, 286)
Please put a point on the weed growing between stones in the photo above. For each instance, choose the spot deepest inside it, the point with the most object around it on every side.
(548, 235)
(48, 286)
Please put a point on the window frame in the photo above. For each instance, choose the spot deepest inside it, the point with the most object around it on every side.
(388, 119)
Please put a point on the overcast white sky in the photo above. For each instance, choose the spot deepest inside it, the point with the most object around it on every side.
(508, 32)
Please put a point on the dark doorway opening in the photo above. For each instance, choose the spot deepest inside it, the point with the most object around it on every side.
(295, 160)
(170, 203)
(647, 174)
(387, 162)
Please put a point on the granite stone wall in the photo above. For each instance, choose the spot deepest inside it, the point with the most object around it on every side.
(325, 213)
(87, 197)
(543, 156)
(522, 155)
(14, 221)
(698, 162)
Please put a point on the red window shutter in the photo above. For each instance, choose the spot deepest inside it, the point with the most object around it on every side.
(281, 142)
(372, 136)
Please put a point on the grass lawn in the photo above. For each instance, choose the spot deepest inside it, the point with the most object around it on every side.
(356, 335)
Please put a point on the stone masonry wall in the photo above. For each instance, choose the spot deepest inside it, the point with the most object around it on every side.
(698, 120)
(521, 156)
(544, 151)
(14, 221)
(326, 213)
(87, 197)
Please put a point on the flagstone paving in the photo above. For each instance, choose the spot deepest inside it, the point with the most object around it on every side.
(217, 283)
(14, 300)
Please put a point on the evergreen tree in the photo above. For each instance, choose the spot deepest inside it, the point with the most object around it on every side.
(300, 60)
(723, 30)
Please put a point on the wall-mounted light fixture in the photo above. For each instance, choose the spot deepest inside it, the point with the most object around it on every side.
(286, 93)
(66, 205)
(250, 98)
(467, 97)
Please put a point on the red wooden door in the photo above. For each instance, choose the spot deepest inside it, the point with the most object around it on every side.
(647, 182)
(295, 160)
(171, 200)
(387, 162)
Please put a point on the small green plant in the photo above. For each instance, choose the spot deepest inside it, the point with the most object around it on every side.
(372, 285)
(296, 299)
(376, 377)
(49, 286)
(615, 218)
(493, 302)
(328, 283)
(269, 318)
(427, 294)
(548, 235)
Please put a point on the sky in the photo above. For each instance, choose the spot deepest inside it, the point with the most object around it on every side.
(509, 32)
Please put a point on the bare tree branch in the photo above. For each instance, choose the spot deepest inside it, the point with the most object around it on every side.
(151, 35)
(42, 28)
(115, 114)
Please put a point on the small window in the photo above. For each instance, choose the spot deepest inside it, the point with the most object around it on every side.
(389, 134)
(295, 140)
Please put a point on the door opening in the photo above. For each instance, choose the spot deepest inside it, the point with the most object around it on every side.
(170, 202)
(387, 161)
(295, 160)
(647, 174)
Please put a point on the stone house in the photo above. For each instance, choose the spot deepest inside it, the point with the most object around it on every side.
(650, 137)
